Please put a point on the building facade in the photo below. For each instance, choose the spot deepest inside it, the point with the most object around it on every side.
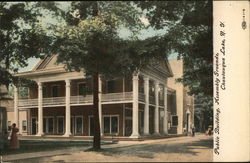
(182, 105)
(60, 102)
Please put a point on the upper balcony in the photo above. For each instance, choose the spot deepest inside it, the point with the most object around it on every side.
(79, 100)
(110, 98)
(113, 92)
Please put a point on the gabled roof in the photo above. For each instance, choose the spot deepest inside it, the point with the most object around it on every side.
(47, 63)
(163, 67)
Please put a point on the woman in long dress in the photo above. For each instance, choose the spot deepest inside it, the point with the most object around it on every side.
(14, 142)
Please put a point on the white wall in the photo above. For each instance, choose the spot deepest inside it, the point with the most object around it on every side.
(177, 68)
(22, 117)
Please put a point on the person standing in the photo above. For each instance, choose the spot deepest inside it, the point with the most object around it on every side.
(14, 142)
(193, 130)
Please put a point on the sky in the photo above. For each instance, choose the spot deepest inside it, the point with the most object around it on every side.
(123, 33)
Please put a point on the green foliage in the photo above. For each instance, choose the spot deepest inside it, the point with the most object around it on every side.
(188, 26)
(91, 39)
(21, 36)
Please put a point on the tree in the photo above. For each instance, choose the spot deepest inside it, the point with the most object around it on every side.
(91, 42)
(188, 33)
(22, 36)
(188, 30)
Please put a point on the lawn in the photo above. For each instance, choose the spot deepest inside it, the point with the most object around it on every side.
(27, 146)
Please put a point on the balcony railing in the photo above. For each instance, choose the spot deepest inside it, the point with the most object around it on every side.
(161, 102)
(88, 99)
(111, 97)
(81, 99)
(54, 101)
(151, 100)
(28, 102)
(141, 97)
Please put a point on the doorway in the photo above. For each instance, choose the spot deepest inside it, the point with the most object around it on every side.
(91, 126)
(128, 122)
(60, 125)
(33, 126)
(187, 123)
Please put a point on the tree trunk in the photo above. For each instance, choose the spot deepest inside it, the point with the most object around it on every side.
(97, 136)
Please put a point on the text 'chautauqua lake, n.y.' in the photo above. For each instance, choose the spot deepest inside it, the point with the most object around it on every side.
(219, 84)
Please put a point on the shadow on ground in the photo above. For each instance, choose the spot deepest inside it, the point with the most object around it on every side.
(145, 150)
(149, 150)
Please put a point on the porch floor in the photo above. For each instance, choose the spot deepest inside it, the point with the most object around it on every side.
(90, 138)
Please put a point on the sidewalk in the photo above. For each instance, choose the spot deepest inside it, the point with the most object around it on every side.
(84, 148)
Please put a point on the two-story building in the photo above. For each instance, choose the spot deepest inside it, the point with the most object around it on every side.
(60, 103)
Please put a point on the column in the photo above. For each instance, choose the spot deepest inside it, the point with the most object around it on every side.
(146, 109)
(165, 120)
(40, 109)
(135, 112)
(156, 128)
(100, 104)
(16, 111)
(67, 109)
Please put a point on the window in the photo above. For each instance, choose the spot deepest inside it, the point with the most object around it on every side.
(161, 92)
(9, 125)
(48, 125)
(24, 125)
(114, 125)
(128, 112)
(82, 89)
(55, 91)
(72, 125)
(106, 125)
(174, 120)
(110, 86)
(44, 125)
(110, 124)
(151, 88)
(78, 125)
(141, 85)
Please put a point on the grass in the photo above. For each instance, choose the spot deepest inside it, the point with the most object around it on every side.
(27, 146)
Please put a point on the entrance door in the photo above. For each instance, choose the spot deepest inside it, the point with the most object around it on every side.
(60, 125)
(91, 126)
(161, 117)
(128, 122)
(78, 125)
(128, 127)
(50, 125)
(151, 120)
(33, 126)
(72, 125)
(141, 122)
(187, 123)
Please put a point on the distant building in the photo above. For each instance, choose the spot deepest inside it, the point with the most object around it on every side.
(182, 105)
(9, 105)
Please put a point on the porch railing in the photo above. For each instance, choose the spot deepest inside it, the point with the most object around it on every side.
(88, 99)
(54, 101)
(161, 102)
(141, 97)
(28, 102)
(111, 97)
(81, 99)
(151, 99)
